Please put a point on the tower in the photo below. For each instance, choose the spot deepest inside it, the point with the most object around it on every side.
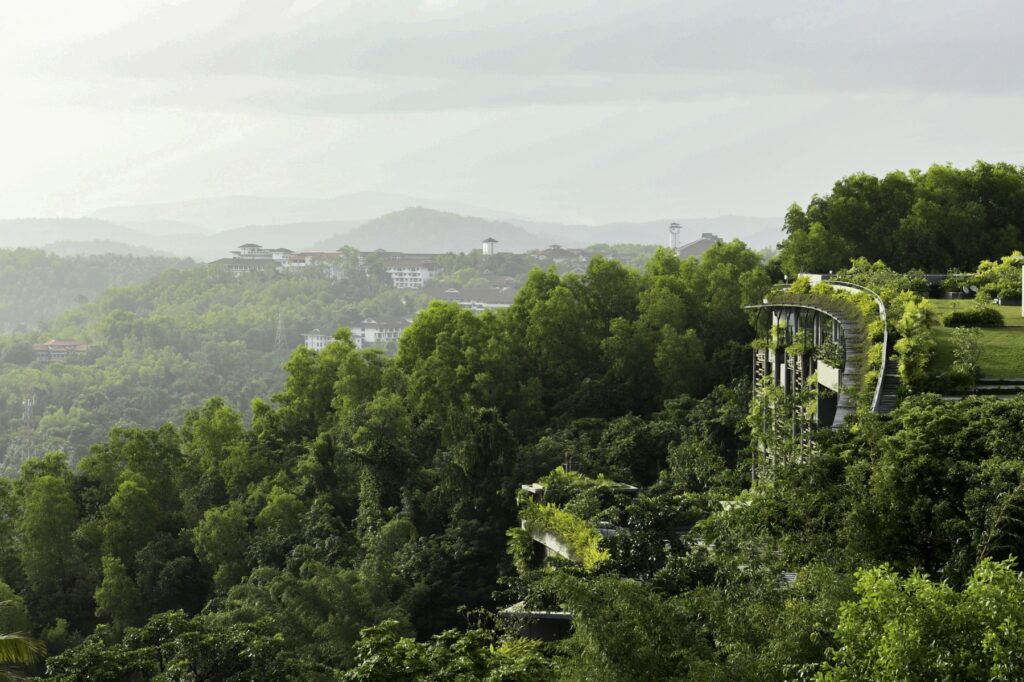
(674, 230)
(29, 403)
(488, 246)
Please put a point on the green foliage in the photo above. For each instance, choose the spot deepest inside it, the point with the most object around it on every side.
(623, 629)
(172, 646)
(383, 654)
(916, 345)
(1000, 278)
(933, 220)
(883, 280)
(979, 316)
(915, 629)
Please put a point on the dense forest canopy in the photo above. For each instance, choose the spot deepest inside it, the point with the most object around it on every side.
(367, 520)
(932, 220)
(372, 488)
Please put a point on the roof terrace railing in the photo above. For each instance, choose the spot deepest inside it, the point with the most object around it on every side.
(876, 400)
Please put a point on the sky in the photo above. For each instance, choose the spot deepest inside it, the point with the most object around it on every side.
(569, 110)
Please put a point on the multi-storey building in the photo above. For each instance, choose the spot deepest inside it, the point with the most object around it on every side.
(811, 367)
(316, 340)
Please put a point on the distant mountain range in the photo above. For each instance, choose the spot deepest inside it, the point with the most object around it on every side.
(423, 230)
(207, 229)
(220, 213)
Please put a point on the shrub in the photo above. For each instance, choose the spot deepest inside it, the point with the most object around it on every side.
(980, 316)
(916, 346)
(1000, 278)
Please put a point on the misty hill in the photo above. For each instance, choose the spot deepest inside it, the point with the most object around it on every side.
(81, 236)
(220, 213)
(295, 236)
(36, 232)
(36, 286)
(425, 230)
(410, 229)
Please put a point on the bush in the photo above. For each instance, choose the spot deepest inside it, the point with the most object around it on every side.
(981, 316)
(1000, 279)
(916, 346)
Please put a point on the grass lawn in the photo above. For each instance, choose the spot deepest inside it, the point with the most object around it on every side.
(1002, 348)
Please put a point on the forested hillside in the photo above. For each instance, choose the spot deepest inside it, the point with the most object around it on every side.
(159, 348)
(36, 286)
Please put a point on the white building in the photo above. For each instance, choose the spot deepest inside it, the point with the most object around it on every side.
(407, 270)
(316, 340)
(379, 331)
(488, 247)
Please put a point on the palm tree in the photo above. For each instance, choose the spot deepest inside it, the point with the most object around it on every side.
(16, 650)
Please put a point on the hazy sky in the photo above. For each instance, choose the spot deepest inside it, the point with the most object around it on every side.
(559, 109)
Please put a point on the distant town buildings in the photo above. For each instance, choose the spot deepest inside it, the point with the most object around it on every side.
(59, 351)
(417, 271)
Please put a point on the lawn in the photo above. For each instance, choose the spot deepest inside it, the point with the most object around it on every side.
(1002, 348)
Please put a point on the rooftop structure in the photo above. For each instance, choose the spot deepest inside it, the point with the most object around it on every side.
(477, 299)
(697, 247)
(811, 362)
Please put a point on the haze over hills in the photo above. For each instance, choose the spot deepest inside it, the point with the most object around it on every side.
(221, 213)
(755, 231)
(185, 230)
(424, 230)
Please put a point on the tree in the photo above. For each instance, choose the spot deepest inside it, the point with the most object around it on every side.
(221, 539)
(47, 524)
(915, 629)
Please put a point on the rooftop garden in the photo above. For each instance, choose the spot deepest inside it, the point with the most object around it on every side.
(999, 348)
(570, 507)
